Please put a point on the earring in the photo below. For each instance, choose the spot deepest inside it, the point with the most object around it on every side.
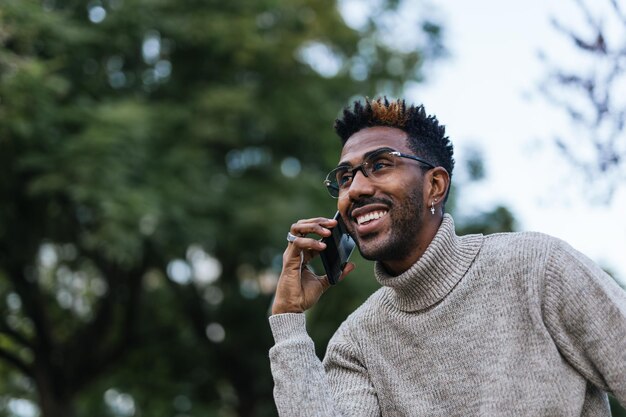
(432, 207)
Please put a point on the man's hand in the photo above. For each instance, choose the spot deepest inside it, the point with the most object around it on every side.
(298, 288)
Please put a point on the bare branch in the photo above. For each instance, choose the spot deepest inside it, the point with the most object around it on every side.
(596, 45)
(589, 96)
(589, 16)
(618, 11)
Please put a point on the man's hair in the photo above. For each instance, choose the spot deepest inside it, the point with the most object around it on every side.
(426, 137)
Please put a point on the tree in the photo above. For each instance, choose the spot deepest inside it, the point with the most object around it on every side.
(154, 152)
(592, 96)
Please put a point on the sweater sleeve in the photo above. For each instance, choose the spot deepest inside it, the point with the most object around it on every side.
(302, 385)
(349, 380)
(585, 312)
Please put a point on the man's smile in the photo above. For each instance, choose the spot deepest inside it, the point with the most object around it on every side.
(369, 219)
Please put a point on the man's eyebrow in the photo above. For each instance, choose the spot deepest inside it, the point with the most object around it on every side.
(367, 155)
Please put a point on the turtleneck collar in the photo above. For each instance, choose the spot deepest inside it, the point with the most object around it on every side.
(435, 274)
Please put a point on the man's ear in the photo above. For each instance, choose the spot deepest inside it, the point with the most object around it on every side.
(439, 181)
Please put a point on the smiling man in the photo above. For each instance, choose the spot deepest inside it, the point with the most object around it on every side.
(507, 324)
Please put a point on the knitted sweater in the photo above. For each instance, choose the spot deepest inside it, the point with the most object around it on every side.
(511, 324)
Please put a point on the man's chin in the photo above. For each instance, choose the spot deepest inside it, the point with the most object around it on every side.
(370, 249)
(383, 249)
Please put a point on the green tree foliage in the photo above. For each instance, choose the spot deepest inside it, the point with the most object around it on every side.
(153, 154)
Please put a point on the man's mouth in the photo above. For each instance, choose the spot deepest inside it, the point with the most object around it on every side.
(369, 217)
(366, 218)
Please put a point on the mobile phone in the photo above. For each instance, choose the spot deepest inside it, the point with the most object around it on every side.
(339, 247)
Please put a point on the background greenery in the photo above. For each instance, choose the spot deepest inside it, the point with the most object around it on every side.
(153, 154)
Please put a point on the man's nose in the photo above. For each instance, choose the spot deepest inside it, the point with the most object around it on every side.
(360, 186)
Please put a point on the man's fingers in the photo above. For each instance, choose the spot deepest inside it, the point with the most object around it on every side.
(319, 226)
(307, 243)
(301, 250)
(319, 220)
(346, 270)
(323, 280)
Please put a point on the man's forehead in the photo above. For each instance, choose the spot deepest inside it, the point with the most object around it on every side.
(367, 140)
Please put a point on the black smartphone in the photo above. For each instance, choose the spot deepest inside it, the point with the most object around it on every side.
(339, 247)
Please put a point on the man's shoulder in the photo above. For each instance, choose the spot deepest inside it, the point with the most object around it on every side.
(520, 241)
(518, 248)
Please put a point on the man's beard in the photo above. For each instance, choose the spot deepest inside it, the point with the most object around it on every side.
(406, 221)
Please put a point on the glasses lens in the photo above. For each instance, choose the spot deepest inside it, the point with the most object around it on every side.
(333, 180)
(380, 164)
(376, 165)
(333, 190)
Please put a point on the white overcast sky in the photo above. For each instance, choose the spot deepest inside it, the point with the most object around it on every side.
(486, 93)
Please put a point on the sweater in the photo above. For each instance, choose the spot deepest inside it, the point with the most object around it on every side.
(510, 324)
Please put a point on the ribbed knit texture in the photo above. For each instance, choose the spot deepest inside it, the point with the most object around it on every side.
(505, 325)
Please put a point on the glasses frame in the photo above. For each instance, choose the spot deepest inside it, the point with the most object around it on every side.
(334, 190)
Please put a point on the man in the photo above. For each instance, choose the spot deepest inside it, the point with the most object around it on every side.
(508, 324)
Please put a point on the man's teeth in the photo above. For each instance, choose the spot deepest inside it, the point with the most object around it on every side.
(370, 216)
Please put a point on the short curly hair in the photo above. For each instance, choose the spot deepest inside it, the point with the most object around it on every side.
(426, 137)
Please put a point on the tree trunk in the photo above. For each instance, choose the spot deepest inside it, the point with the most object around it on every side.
(55, 400)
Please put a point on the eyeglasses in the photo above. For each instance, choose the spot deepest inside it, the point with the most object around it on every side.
(376, 166)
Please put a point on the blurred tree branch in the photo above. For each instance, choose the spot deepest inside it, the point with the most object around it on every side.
(591, 94)
(17, 362)
(15, 335)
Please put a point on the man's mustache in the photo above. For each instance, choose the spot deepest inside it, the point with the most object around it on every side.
(369, 200)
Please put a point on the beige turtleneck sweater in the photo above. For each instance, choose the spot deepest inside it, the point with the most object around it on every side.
(511, 324)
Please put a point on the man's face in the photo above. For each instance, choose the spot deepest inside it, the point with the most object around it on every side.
(384, 217)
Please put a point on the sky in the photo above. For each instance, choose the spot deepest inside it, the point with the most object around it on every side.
(486, 93)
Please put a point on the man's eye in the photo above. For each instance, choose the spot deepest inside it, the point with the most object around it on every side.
(344, 178)
(380, 164)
